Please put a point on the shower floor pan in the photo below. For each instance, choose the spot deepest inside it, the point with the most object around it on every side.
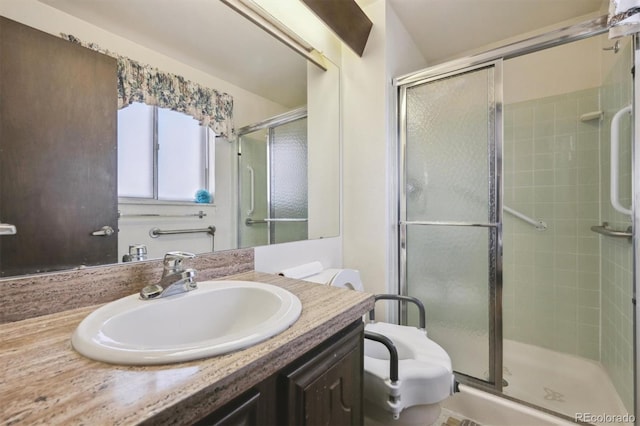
(563, 383)
(560, 382)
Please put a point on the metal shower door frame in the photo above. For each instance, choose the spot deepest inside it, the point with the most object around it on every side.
(493, 223)
(635, 190)
(533, 44)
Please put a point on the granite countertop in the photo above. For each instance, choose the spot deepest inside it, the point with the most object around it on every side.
(44, 381)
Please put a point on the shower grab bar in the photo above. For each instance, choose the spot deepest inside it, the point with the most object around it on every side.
(540, 225)
(604, 229)
(615, 159)
(156, 232)
(252, 190)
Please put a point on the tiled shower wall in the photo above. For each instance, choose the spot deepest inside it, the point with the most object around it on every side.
(617, 270)
(559, 293)
(551, 278)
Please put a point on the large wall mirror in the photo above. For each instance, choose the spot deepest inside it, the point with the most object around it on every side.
(284, 151)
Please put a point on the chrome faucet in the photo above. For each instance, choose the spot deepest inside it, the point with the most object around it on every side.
(137, 252)
(175, 279)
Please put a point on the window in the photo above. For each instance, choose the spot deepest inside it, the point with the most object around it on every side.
(162, 154)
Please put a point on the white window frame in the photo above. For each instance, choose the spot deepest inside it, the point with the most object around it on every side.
(209, 152)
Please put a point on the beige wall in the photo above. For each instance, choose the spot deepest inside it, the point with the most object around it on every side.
(551, 72)
(365, 157)
(323, 144)
(369, 182)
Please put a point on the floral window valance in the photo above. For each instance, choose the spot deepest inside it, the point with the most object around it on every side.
(624, 17)
(143, 83)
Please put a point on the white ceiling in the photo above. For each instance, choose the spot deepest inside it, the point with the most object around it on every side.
(210, 36)
(445, 29)
(207, 35)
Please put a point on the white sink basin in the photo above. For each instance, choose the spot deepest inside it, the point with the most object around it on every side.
(216, 318)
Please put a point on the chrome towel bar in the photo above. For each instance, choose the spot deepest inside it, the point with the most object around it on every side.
(604, 229)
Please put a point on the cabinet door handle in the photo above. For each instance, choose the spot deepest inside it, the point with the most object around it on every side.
(252, 190)
(105, 231)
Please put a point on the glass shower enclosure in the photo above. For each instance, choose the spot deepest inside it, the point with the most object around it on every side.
(507, 227)
(272, 180)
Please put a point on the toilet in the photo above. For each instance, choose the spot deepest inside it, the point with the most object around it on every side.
(425, 375)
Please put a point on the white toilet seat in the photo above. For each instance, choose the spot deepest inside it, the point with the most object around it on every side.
(425, 372)
(424, 368)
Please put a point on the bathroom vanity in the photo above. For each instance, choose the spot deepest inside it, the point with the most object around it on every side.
(310, 373)
(324, 386)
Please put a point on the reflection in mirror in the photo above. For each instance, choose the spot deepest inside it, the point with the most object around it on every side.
(272, 181)
(162, 155)
(265, 79)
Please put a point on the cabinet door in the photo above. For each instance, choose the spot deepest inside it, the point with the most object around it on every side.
(326, 389)
(58, 171)
(243, 411)
(256, 407)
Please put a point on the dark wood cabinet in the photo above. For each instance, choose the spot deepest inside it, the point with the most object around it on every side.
(326, 389)
(242, 411)
(323, 387)
(257, 406)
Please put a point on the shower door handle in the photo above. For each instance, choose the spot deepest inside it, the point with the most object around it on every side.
(615, 160)
(252, 190)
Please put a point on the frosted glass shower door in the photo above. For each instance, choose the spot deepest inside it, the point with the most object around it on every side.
(288, 194)
(449, 220)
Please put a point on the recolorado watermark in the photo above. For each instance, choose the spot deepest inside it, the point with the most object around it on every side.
(605, 418)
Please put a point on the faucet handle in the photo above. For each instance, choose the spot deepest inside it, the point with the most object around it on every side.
(173, 259)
